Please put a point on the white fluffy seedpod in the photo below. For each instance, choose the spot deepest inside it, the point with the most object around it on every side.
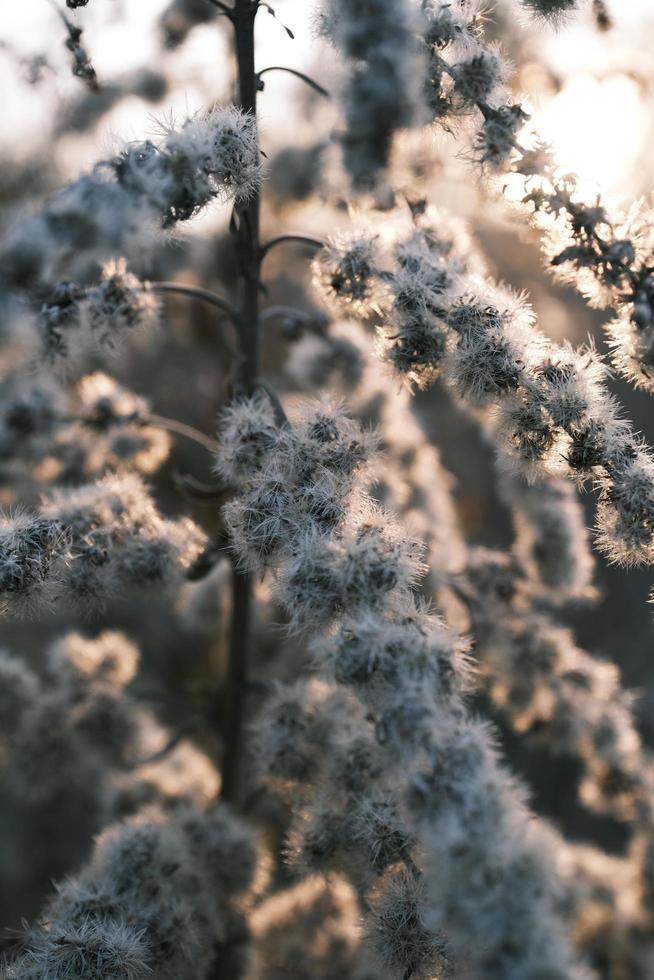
(301, 484)
(400, 936)
(51, 434)
(225, 849)
(325, 576)
(463, 809)
(379, 94)
(554, 413)
(625, 513)
(212, 154)
(632, 346)
(465, 78)
(120, 302)
(488, 880)
(476, 74)
(418, 339)
(552, 543)
(328, 439)
(48, 757)
(411, 480)
(78, 321)
(248, 434)
(605, 254)
(118, 539)
(291, 732)
(104, 401)
(495, 342)
(222, 153)
(258, 523)
(416, 652)
(346, 273)
(94, 949)
(33, 550)
(115, 209)
(153, 900)
(559, 696)
(314, 361)
(71, 733)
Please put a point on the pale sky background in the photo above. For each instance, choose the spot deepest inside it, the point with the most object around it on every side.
(598, 125)
(120, 35)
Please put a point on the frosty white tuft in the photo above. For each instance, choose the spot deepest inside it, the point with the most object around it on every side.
(444, 765)
(379, 95)
(107, 212)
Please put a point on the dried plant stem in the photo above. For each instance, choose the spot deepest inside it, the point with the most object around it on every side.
(245, 225)
(298, 74)
(197, 292)
(315, 243)
(181, 429)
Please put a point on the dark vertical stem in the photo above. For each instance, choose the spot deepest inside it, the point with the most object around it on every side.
(247, 215)
(246, 224)
(232, 713)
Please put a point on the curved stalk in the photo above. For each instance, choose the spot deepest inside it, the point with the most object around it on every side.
(222, 7)
(298, 74)
(181, 429)
(197, 292)
(283, 239)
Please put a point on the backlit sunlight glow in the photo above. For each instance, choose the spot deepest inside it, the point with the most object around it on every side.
(595, 125)
(596, 128)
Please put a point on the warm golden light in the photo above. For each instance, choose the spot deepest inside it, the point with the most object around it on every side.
(596, 128)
